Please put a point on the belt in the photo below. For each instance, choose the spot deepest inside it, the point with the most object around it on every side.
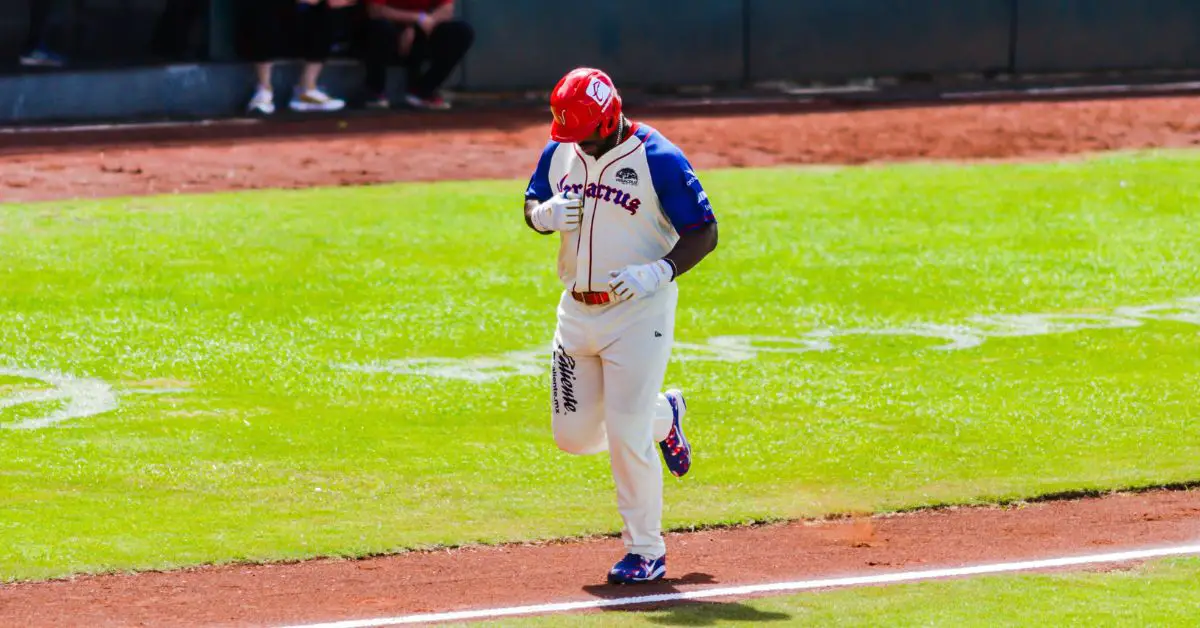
(592, 298)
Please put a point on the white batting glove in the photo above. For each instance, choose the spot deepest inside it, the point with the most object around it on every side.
(636, 282)
(563, 212)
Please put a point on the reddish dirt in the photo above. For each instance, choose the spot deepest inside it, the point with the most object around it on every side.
(486, 577)
(507, 147)
(504, 146)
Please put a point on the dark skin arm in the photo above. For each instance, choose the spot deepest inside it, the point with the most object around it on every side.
(692, 247)
(530, 204)
(381, 12)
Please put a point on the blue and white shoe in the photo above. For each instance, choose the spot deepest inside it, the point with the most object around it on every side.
(637, 568)
(677, 453)
(42, 58)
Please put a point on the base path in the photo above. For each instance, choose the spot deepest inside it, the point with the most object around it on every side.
(469, 148)
(488, 577)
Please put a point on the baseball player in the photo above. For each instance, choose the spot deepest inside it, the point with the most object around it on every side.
(631, 217)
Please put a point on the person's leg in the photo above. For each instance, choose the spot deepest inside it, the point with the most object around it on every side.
(309, 75)
(315, 37)
(45, 17)
(263, 100)
(265, 44)
(381, 49)
(576, 385)
(173, 30)
(415, 60)
(262, 72)
(341, 28)
(577, 404)
(39, 12)
(314, 32)
(445, 48)
(636, 418)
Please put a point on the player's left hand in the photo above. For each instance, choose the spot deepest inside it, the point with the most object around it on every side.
(640, 280)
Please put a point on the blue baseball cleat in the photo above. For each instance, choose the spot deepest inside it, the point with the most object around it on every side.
(637, 568)
(677, 453)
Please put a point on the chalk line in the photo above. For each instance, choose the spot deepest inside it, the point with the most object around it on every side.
(778, 587)
(82, 397)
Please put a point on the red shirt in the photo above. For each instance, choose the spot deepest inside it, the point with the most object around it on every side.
(412, 5)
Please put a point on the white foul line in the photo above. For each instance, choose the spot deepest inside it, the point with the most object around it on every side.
(801, 585)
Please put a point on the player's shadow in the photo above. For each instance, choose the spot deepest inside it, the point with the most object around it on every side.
(684, 612)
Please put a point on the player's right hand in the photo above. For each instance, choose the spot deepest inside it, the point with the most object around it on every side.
(563, 212)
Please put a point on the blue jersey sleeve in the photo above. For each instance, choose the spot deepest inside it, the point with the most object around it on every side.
(683, 198)
(539, 184)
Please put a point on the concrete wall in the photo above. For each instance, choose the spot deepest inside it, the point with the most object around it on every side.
(154, 92)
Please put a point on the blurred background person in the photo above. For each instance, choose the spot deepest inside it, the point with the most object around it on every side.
(46, 18)
(281, 26)
(425, 37)
(174, 30)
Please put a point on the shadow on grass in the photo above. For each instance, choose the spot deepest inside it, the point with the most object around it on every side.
(683, 613)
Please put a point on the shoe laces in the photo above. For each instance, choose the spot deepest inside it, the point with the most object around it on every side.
(633, 561)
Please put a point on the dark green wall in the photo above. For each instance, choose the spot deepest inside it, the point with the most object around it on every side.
(529, 43)
(845, 38)
(1091, 35)
(523, 44)
(101, 32)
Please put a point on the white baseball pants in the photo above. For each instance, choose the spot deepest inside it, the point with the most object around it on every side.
(608, 367)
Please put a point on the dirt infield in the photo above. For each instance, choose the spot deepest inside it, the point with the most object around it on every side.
(506, 148)
(326, 590)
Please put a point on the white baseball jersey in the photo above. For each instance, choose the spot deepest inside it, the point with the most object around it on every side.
(639, 197)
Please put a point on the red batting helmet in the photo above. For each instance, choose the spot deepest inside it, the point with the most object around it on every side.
(584, 100)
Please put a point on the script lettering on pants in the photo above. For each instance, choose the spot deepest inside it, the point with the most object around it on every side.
(564, 381)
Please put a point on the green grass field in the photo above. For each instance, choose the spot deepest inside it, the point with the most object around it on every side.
(1158, 594)
(254, 347)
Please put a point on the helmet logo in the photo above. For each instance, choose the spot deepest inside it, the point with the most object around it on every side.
(559, 116)
(600, 92)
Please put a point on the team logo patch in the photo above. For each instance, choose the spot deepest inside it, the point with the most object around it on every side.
(627, 176)
(600, 93)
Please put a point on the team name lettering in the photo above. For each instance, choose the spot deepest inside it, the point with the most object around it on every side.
(605, 193)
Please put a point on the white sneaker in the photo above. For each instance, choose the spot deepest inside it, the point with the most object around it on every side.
(378, 102)
(315, 100)
(435, 102)
(263, 102)
(42, 58)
